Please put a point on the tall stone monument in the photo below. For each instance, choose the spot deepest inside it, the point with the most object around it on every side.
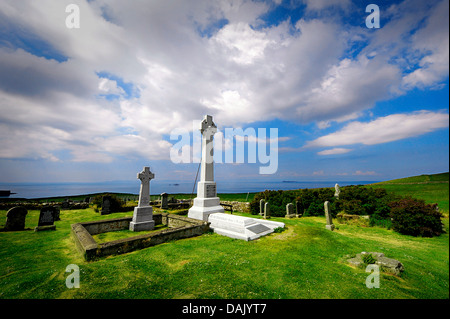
(143, 213)
(206, 202)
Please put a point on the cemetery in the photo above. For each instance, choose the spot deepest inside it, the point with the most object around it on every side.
(279, 244)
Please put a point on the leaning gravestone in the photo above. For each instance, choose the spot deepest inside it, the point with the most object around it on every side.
(46, 219)
(15, 218)
(329, 225)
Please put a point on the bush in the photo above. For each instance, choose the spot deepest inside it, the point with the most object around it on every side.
(277, 201)
(414, 217)
(368, 259)
(116, 204)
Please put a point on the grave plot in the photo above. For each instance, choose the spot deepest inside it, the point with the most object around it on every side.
(179, 227)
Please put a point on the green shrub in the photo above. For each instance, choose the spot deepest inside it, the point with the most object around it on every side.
(116, 204)
(277, 201)
(368, 259)
(414, 217)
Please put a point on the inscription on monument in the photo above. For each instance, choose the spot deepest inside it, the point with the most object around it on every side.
(210, 190)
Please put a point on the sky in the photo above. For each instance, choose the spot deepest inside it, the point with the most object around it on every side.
(96, 92)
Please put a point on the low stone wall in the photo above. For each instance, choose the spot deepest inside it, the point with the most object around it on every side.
(238, 206)
(179, 227)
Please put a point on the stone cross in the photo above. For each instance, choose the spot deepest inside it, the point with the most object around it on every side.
(338, 190)
(206, 202)
(144, 194)
(208, 129)
(329, 225)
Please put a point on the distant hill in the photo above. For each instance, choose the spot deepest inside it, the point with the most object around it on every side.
(421, 179)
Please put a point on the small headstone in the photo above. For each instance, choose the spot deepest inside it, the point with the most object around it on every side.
(106, 205)
(266, 210)
(290, 211)
(298, 209)
(65, 204)
(337, 190)
(56, 212)
(164, 202)
(15, 218)
(261, 207)
(329, 225)
(46, 219)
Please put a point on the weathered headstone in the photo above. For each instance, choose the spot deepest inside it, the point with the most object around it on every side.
(266, 210)
(143, 213)
(290, 211)
(329, 225)
(164, 202)
(261, 207)
(65, 204)
(15, 218)
(106, 205)
(337, 190)
(206, 202)
(46, 219)
(56, 213)
(298, 209)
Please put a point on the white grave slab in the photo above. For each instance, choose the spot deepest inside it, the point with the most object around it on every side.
(241, 227)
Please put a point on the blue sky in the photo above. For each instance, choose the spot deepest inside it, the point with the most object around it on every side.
(99, 102)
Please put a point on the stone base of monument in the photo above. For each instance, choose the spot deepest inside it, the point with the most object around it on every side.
(240, 227)
(142, 219)
(203, 207)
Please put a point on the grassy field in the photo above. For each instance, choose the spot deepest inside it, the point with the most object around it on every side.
(305, 261)
(431, 188)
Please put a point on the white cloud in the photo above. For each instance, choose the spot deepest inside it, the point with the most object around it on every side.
(110, 87)
(384, 129)
(334, 151)
(241, 72)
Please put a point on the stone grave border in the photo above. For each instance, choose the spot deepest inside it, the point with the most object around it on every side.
(179, 227)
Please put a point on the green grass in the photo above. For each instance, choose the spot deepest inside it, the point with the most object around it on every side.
(125, 233)
(433, 178)
(304, 261)
(431, 188)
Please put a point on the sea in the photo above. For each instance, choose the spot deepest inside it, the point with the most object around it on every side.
(48, 190)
